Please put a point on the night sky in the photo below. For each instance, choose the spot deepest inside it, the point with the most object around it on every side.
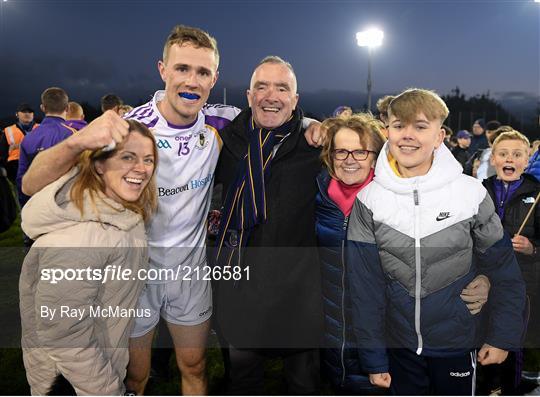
(93, 47)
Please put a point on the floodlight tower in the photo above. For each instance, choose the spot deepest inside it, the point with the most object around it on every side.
(369, 38)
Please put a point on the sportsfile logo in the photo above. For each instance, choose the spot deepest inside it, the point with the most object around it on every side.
(163, 144)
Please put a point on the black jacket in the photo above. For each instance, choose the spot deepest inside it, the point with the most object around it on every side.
(280, 306)
(461, 155)
(515, 212)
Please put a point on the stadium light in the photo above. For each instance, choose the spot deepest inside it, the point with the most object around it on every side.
(370, 38)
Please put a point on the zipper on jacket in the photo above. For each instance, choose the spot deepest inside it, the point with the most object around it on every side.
(418, 271)
(342, 355)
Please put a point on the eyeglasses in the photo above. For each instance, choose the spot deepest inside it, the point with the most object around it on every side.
(358, 155)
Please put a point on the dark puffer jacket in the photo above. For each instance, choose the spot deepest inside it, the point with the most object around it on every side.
(339, 359)
(534, 165)
(515, 211)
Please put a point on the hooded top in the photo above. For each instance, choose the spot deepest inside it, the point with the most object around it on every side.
(86, 337)
(411, 243)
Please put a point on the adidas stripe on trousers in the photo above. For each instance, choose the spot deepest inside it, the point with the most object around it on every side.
(419, 375)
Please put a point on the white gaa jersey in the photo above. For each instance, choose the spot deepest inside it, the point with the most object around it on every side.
(188, 157)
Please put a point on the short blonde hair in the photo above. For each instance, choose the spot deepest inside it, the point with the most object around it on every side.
(412, 101)
(75, 111)
(511, 135)
(368, 128)
(181, 34)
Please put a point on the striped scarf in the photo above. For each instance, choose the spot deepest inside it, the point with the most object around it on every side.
(245, 203)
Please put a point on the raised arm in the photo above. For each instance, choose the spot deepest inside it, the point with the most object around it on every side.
(54, 162)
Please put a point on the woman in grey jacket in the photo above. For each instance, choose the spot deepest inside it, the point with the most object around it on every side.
(81, 280)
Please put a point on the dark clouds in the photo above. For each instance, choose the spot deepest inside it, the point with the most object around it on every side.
(93, 47)
(85, 78)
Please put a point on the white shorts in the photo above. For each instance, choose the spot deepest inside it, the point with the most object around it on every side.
(180, 302)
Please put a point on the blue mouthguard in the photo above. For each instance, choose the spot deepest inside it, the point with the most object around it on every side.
(187, 95)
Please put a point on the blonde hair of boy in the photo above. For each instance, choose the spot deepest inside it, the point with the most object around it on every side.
(407, 105)
(512, 135)
(75, 111)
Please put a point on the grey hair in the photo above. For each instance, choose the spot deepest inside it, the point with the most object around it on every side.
(274, 59)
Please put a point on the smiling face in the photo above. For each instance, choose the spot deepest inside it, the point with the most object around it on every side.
(189, 74)
(128, 171)
(413, 144)
(272, 95)
(351, 171)
(510, 158)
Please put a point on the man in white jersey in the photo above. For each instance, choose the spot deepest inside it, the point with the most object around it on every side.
(189, 145)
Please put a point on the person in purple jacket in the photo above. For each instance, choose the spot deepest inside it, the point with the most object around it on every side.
(53, 129)
(75, 116)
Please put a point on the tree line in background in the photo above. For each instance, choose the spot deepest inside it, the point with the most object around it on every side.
(463, 111)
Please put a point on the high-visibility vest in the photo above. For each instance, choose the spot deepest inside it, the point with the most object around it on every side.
(14, 138)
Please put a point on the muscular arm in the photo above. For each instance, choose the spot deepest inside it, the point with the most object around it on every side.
(54, 162)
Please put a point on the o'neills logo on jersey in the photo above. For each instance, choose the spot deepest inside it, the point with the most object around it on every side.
(201, 139)
(163, 144)
(191, 185)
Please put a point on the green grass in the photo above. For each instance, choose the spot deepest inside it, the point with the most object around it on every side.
(12, 374)
(13, 236)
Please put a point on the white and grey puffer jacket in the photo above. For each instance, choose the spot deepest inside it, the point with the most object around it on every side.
(415, 243)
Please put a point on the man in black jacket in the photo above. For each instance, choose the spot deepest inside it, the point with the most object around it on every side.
(268, 172)
(461, 151)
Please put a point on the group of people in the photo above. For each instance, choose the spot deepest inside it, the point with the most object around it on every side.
(509, 167)
(355, 248)
(473, 151)
(62, 118)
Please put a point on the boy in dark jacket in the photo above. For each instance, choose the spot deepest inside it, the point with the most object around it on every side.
(514, 193)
